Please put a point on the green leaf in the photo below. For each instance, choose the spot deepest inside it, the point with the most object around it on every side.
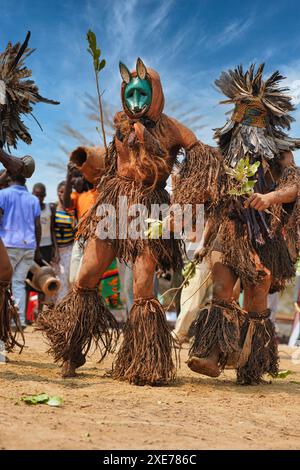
(282, 374)
(91, 37)
(240, 166)
(43, 398)
(252, 169)
(235, 192)
(96, 65)
(97, 53)
(189, 271)
(101, 65)
(248, 187)
(35, 399)
(155, 228)
(153, 232)
(55, 401)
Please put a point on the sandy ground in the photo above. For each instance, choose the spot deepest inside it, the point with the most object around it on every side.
(99, 413)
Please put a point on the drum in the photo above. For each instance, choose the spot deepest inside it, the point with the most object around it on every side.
(90, 161)
(43, 279)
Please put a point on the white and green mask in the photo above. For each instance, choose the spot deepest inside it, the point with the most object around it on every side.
(137, 90)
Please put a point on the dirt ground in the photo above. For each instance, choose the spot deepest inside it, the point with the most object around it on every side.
(99, 413)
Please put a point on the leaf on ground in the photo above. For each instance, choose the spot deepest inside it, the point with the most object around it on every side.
(42, 398)
(282, 374)
(35, 399)
(55, 401)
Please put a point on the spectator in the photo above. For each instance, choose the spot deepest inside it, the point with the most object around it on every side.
(81, 200)
(64, 225)
(48, 244)
(194, 295)
(20, 230)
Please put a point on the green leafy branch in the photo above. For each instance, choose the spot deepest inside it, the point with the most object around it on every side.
(189, 271)
(241, 174)
(155, 228)
(98, 66)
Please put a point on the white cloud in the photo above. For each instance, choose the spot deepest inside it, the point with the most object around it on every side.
(230, 33)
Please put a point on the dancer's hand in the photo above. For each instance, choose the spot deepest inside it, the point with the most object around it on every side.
(200, 253)
(139, 131)
(260, 202)
(55, 257)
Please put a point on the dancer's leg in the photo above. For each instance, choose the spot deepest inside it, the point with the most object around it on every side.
(6, 270)
(8, 311)
(82, 317)
(98, 255)
(145, 356)
(216, 334)
(258, 341)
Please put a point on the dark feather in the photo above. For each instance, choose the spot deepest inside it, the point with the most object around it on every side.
(21, 50)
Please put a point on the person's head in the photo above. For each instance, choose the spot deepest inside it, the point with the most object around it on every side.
(60, 191)
(39, 190)
(20, 180)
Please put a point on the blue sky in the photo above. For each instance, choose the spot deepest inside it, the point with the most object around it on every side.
(188, 42)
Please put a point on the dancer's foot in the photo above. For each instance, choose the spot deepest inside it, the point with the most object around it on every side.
(79, 360)
(180, 339)
(204, 365)
(232, 361)
(68, 369)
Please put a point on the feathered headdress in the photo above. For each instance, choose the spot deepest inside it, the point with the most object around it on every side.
(261, 113)
(249, 87)
(17, 93)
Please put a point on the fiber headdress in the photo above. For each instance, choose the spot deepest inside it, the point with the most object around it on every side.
(261, 114)
(17, 93)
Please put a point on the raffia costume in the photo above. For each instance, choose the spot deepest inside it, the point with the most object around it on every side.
(139, 161)
(17, 96)
(258, 246)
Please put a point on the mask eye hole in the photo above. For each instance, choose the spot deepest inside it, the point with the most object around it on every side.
(143, 93)
(130, 94)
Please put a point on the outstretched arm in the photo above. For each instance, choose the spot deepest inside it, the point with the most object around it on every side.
(200, 172)
(67, 201)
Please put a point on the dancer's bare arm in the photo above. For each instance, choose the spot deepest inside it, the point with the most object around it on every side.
(67, 201)
(261, 202)
(286, 195)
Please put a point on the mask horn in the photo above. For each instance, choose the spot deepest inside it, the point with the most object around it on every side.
(125, 74)
(141, 69)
